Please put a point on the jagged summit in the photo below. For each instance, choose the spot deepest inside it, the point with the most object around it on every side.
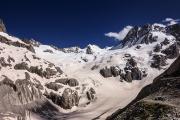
(2, 26)
(146, 34)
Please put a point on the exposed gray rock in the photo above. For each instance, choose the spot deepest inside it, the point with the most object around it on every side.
(128, 76)
(21, 66)
(56, 99)
(158, 61)
(172, 51)
(106, 72)
(131, 62)
(16, 44)
(68, 81)
(157, 48)
(54, 86)
(2, 27)
(10, 59)
(136, 73)
(89, 50)
(174, 30)
(48, 50)
(62, 81)
(69, 99)
(165, 42)
(91, 94)
(32, 42)
(95, 67)
(59, 70)
(49, 72)
(38, 71)
(18, 97)
(3, 62)
(115, 71)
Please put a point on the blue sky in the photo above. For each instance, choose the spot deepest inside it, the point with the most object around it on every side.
(66, 23)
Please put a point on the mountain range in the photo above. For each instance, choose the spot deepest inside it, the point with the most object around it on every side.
(135, 80)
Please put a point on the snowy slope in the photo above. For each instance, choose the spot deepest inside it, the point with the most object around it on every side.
(112, 93)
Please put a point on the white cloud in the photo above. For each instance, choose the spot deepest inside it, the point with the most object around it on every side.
(120, 35)
(171, 21)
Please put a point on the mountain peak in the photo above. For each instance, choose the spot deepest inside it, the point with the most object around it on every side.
(2, 26)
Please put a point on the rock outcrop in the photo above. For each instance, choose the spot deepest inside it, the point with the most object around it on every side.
(2, 27)
(69, 98)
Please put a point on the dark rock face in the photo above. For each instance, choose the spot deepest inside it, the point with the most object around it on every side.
(95, 67)
(89, 50)
(68, 81)
(3, 62)
(32, 42)
(48, 50)
(2, 26)
(106, 72)
(131, 62)
(157, 48)
(16, 44)
(141, 35)
(158, 61)
(54, 86)
(49, 72)
(165, 42)
(115, 71)
(136, 73)
(172, 51)
(174, 30)
(91, 94)
(131, 70)
(56, 99)
(21, 66)
(128, 76)
(68, 99)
